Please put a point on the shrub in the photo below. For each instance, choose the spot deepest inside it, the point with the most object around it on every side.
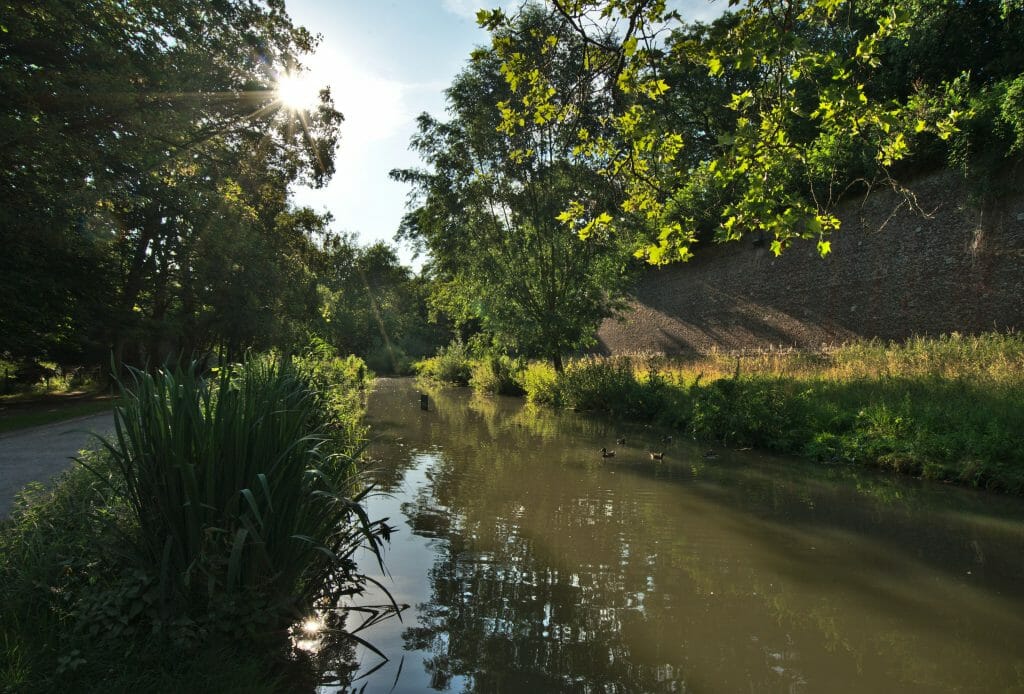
(451, 365)
(339, 386)
(540, 381)
(497, 375)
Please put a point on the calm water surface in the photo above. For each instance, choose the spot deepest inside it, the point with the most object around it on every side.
(531, 564)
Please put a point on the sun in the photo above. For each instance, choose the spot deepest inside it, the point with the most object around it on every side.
(297, 91)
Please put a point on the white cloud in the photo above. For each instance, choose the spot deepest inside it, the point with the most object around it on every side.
(463, 8)
(467, 9)
(699, 10)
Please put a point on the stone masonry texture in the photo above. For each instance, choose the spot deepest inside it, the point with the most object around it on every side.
(893, 273)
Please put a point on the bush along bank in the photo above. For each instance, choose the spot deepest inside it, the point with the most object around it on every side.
(949, 408)
(224, 509)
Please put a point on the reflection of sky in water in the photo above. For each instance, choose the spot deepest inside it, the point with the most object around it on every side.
(558, 571)
(407, 558)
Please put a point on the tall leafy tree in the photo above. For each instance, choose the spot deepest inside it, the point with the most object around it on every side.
(373, 306)
(488, 206)
(795, 73)
(129, 130)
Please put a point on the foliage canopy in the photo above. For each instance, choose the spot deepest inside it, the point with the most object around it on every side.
(761, 121)
(144, 167)
(487, 208)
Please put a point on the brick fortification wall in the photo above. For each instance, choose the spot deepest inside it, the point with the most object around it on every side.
(892, 274)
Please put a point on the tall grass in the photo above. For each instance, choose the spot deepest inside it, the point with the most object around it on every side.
(996, 357)
(231, 490)
(949, 408)
(223, 508)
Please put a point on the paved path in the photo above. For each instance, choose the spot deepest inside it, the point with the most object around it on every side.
(39, 453)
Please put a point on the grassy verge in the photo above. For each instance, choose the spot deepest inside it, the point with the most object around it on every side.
(948, 409)
(225, 509)
(30, 412)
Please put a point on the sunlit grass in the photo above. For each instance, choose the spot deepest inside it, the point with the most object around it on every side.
(948, 408)
(992, 357)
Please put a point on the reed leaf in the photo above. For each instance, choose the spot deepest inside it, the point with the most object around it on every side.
(239, 482)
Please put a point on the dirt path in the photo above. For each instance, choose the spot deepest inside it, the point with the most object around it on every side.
(39, 453)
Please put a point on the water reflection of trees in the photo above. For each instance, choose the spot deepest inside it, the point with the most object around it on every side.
(501, 614)
(586, 584)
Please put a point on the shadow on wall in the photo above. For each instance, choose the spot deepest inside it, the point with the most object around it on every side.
(892, 273)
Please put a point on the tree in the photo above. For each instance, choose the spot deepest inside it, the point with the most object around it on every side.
(487, 208)
(796, 74)
(129, 131)
(373, 306)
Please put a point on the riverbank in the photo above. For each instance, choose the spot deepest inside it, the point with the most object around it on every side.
(182, 555)
(948, 409)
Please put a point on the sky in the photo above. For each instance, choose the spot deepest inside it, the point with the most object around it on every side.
(386, 62)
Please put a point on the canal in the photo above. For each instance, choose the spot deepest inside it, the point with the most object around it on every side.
(531, 563)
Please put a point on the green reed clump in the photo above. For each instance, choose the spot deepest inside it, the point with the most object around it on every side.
(215, 516)
(231, 490)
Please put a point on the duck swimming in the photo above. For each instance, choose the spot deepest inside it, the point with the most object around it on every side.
(605, 453)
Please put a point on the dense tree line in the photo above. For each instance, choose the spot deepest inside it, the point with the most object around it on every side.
(591, 130)
(145, 165)
(373, 306)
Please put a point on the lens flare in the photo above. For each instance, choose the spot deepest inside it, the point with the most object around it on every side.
(312, 626)
(298, 91)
